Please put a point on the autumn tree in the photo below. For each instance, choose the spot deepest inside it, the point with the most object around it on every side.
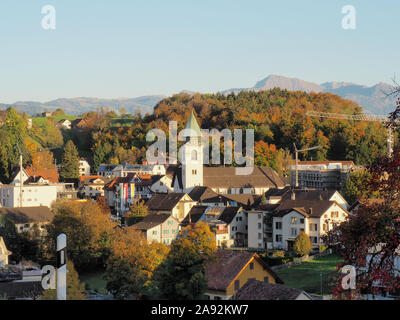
(136, 213)
(89, 232)
(369, 239)
(302, 245)
(70, 162)
(75, 289)
(132, 263)
(182, 275)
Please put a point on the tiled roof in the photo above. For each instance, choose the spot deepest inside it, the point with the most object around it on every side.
(47, 174)
(258, 290)
(151, 220)
(164, 201)
(300, 194)
(199, 193)
(227, 266)
(195, 214)
(229, 214)
(225, 177)
(318, 207)
(27, 214)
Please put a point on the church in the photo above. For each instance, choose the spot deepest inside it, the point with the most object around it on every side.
(223, 180)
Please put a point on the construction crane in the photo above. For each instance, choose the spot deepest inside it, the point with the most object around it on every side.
(360, 117)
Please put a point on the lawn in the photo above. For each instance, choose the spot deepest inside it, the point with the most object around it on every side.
(307, 275)
(94, 281)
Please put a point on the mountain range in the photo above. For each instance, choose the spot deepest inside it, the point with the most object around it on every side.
(77, 106)
(372, 99)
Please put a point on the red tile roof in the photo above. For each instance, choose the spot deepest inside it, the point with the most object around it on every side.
(47, 174)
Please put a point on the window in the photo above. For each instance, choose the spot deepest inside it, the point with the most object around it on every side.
(259, 216)
(237, 285)
(251, 266)
(259, 225)
(293, 220)
(278, 225)
(154, 232)
(294, 231)
(334, 214)
(301, 220)
(278, 238)
(259, 236)
(194, 155)
(194, 172)
(325, 227)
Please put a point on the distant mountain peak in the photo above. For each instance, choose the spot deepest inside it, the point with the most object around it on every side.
(372, 99)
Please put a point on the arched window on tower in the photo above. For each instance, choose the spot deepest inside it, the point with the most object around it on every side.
(194, 155)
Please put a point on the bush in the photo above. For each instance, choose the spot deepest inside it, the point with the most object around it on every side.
(278, 253)
(302, 245)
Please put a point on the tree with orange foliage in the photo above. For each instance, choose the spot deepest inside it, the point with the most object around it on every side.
(89, 232)
(132, 263)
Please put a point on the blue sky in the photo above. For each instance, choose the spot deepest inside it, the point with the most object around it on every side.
(120, 48)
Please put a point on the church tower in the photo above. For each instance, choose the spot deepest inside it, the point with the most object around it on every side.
(192, 155)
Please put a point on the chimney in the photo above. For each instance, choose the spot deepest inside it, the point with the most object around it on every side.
(310, 211)
(293, 197)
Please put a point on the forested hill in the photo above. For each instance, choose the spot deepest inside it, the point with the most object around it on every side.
(278, 118)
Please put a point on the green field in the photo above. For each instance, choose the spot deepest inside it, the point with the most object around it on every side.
(40, 120)
(94, 281)
(307, 275)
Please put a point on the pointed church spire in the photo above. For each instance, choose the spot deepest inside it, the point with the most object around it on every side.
(193, 125)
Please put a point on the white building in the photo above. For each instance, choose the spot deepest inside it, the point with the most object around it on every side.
(278, 228)
(123, 170)
(158, 227)
(31, 195)
(84, 167)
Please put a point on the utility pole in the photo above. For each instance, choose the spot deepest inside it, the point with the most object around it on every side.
(297, 160)
(20, 180)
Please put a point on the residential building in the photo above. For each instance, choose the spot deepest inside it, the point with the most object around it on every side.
(84, 167)
(260, 290)
(221, 232)
(123, 170)
(158, 227)
(236, 220)
(232, 269)
(322, 174)
(28, 219)
(92, 186)
(177, 204)
(65, 124)
(4, 253)
(31, 195)
(196, 214)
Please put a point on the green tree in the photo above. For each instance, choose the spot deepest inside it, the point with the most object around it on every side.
(302, 245)
(75, 289)
(354, 188)
(70, 162)
(136, 213)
